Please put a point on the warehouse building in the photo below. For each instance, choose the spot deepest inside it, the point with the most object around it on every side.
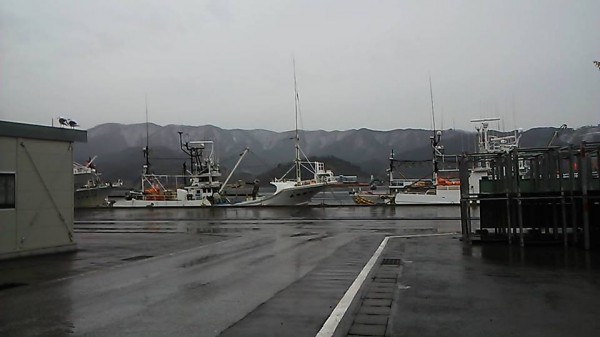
(36, 188)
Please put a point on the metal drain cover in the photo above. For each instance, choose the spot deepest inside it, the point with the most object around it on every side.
(391, 262)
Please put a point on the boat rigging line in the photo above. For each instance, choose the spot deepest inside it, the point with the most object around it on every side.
(242, 155)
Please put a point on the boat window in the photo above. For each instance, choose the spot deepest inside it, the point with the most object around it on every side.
(7, 190)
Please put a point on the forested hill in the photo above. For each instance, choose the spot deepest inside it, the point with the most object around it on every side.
(360, 152)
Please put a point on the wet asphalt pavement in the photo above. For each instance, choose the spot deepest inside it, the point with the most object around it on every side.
(281, 271)
(493, 290)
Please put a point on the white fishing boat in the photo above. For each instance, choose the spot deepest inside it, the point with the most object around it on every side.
(443, 188)
(296, 191)
(434, 190)
(202, 185)
(199, 187)
(90, 191)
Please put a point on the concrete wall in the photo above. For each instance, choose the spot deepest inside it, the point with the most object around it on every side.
(42, 220)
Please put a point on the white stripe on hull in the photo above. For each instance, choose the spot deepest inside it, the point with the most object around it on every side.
(442, 197)
(289, 197)
(161, 203)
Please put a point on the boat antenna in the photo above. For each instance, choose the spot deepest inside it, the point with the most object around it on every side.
(195, 153)
(147, 148)
(297, 137)
(391, 169)
(437, 134)
(514, 112)
(432, 109)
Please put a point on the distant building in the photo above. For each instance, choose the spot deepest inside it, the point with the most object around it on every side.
(36, 188)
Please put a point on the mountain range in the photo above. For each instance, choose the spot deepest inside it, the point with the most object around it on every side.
(360, 152)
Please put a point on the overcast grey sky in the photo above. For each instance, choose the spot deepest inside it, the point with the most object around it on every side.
(359, 63)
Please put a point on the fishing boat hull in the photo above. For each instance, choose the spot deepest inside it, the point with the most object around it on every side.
(160, 203)
(367, 198)
(295, 196)
(435, 197)
(92, 197)
(177, 198)
(439, 196)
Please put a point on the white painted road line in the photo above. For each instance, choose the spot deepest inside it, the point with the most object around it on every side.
(340, 309)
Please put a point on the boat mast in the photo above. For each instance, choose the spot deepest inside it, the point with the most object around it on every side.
(391, 170)
(147, 148)
(297, 137)
(435, 138)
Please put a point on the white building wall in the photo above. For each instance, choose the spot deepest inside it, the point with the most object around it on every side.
(43, 217)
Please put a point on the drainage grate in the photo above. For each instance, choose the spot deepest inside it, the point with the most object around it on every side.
(138, 257)
(10, 285)
(391, 262)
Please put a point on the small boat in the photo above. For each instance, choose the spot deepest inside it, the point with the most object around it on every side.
(375, 197)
